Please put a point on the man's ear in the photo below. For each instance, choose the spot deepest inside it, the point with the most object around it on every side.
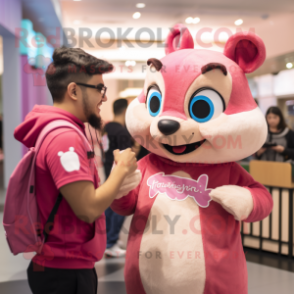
(72, 90)
(247, 50)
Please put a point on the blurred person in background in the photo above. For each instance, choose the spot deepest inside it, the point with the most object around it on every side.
(279, 145)
(1, 134)
(142, 151)
(116, 136)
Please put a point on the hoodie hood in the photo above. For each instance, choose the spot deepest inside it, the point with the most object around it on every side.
(28, 131)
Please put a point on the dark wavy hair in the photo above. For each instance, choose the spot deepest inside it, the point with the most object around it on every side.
(72, 65)
(276, 110)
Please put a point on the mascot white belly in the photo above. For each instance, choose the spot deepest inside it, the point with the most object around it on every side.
(171, 258)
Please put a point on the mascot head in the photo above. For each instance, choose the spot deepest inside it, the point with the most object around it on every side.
(196, 105)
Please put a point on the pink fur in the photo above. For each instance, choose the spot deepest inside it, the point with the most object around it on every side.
(243, 53)
(179, 32)
(142, 98)
(247, 50)
(173, 113)
(184, 66)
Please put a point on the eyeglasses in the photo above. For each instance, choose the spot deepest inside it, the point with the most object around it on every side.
(100, 87)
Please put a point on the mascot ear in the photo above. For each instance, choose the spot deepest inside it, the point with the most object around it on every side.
(247, 50)
(179, 38)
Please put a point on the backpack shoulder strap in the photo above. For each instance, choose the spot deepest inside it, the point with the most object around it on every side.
(56, 124)
(49, 224)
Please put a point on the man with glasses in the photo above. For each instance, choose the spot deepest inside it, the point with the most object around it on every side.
(77, 240)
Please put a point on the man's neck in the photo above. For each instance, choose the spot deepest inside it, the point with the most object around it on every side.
(67, 108)
(119, 119)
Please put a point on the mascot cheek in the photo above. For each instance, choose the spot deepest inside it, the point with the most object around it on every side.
(212, 128)
(138, 120)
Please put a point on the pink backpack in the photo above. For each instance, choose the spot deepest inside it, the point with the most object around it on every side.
(21, 220)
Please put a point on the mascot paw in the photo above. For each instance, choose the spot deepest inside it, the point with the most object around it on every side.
(234, 199)
(130, 182)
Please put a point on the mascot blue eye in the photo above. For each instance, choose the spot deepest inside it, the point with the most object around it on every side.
(201, 109)
(205, 105)
(154, 100)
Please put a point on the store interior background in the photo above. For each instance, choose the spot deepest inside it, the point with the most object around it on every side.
(1, 72)
(272, 84)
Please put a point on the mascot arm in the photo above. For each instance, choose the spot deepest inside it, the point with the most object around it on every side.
(246, 199)
(126, 201)
(127, 204)
(130, 183)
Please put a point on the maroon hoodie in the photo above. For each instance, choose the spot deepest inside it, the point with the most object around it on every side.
(62, 159)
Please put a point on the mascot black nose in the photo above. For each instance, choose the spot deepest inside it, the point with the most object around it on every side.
(168, 126)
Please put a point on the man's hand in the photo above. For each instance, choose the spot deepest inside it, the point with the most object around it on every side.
(126, 160)
(136, 148)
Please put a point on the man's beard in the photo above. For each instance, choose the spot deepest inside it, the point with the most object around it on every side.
(94, 120)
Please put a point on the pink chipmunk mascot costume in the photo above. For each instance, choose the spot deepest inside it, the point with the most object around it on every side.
(196, 116)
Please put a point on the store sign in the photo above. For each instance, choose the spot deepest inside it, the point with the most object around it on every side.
(34, 45)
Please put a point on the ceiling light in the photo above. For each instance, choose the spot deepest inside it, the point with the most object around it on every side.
(140, 5)
(196, 20)
(130, 63)
(289, 65)
(238, 22)
(189, 20)
(136, 15)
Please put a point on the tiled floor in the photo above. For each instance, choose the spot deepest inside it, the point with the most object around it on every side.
(262, 279)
